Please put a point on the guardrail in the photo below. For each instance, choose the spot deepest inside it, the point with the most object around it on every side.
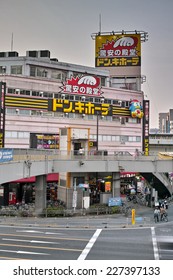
(44, 155)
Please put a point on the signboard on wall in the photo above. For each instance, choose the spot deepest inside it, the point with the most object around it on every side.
(6, 155)
(118, 50)
(2, 113)
(44, 141)
(85, 85)
(146, 127)
(79, 107)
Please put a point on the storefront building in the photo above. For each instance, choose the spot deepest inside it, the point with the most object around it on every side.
(43, 96)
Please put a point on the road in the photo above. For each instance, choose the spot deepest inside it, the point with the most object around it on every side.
(82, 238)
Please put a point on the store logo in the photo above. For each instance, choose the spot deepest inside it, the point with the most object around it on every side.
(124, 46)
(86, 85)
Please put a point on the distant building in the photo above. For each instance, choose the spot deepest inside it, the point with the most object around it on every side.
(164, 122)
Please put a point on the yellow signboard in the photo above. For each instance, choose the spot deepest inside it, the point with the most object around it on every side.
(118, 50)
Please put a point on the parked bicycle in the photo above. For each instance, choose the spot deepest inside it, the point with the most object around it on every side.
(126, 210)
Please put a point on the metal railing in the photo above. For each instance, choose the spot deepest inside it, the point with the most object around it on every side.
(37, 155)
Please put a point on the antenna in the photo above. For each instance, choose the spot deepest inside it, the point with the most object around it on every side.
(99, 23)
(12, 42)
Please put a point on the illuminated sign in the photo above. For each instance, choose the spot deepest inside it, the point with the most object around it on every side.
(47, 142)
(85, 85)
(146, 127)
(78, 107)
(118, 50)
(44, 141)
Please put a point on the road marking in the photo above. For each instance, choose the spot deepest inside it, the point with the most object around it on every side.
(36, 231)
(155, 247)
(88, 247)
(45, 237)
(31, 241)
(30, 231)
(23, 252)
(41, 247)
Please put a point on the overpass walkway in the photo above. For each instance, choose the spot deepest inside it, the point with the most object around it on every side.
(26, 163)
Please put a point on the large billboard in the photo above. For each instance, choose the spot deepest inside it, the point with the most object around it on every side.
(118, 50)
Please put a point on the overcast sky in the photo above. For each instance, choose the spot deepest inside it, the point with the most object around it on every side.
(65, 26)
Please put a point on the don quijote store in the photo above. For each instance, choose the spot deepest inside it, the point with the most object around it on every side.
(66, 107)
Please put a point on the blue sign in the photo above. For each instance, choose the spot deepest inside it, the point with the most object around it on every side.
(115, 201)
(6, 155)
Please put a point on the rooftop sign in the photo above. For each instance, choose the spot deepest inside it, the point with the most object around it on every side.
(117, 50)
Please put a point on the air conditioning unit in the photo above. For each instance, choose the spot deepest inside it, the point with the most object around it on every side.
(44, 53)
(12, 54)
(32, 53)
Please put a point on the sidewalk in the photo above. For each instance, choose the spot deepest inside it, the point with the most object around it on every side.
(144, 217)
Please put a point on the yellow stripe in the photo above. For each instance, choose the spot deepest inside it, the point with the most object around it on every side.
(26, 102)
(40, 247)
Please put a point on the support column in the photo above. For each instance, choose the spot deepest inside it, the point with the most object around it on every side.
(116, 184)
(40, 194)
(5, 194)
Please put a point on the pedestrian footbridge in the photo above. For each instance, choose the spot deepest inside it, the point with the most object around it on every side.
(31, 162)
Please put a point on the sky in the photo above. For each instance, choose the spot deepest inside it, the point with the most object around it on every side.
(64, 27)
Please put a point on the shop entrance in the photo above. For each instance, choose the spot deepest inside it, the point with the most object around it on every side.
(77, 146)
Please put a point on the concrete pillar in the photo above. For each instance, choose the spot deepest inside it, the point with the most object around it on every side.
(40, 194)
(5, 198)
(115, 184)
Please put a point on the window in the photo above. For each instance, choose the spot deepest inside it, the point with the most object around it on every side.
(40, 72)
(138, 138)
(132, 138)
(22, 134)
(25, 112)
(132, 120)
(11, 90)
(16, 69)
(90, 117)
(116, 138)
(10, 111)
(32, 71)
(123, 139)
(59, 75)
(106, 137)
(11, 134)
(48, 94)
(103, 81)
(2, 69)
(71, 97)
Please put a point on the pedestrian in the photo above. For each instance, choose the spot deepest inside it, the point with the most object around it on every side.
(136, 154)
(166, 204)
(156, 214)
(162, 212)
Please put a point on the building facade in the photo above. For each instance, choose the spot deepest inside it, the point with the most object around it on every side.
(32, 81)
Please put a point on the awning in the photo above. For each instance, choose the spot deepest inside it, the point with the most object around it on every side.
(52, 177)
